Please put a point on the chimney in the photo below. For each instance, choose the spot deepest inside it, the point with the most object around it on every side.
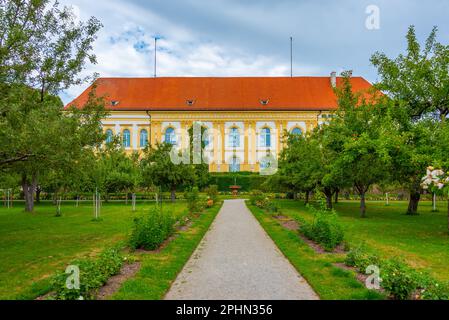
(334, 79)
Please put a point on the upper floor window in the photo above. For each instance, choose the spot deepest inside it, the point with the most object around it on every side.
(234, 138)
(170, 136)
(109, 135)
(143, 138)
(126, 138)
(296, 131)
(265, 137)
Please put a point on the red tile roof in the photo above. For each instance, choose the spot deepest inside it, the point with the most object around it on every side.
(219, 94)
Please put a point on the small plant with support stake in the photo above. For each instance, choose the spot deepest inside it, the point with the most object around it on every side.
(97, 206)
(58, 208)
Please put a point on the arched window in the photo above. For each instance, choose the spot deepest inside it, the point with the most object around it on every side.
(109, 135)
(143, 138)
(234, 138)
(205, 138)
(265, 137)
(170, 136)
(296, 131)
(126, 138)
(235, 164)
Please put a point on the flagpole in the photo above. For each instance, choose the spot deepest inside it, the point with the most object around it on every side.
(155, 61)
(291, 57)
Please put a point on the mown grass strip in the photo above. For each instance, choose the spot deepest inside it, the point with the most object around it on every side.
(328, 281)
(160, 269)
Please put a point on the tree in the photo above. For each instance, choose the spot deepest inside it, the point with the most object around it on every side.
(419, 78)
(300, 167)
(418, 84)
(197, 139)
(42, 51)
(158, 169)
(360, 136)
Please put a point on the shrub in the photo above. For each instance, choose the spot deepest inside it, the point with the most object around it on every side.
(430, 289)
(398, 279)
(150, 230)
(194, 203)
(94, 272)
(258, 198)
(212, 192)
(210, 203)
(358, 257)
(271, 207)
(324, 229)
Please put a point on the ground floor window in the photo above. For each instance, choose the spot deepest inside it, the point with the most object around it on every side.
(235, 164)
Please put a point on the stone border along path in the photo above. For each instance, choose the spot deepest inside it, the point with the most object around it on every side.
(236, 259)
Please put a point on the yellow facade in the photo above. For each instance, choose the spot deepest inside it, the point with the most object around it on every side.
(237, 140)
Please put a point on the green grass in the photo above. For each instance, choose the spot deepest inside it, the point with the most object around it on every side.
(421, 240)
(34, 246)
(160, 269)
(328, 281)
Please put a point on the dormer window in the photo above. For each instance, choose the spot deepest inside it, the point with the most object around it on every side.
(190, 102)
(264, 102)
(115, 103)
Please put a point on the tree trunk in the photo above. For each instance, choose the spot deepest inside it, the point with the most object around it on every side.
(336, 196)
(413, 203)
(328, 193)
(173, 195)
(28, 191)
(306, 201)
(362, 205)
(38, 194)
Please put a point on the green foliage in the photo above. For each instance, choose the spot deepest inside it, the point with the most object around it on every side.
(43, 50)
(430, 289)
(258, 198)
(151, 229)
(271, 207)
(247, 181)
(158, 169)
(358, 257)
(419, 77)
(400, 280)
(194, 203)
(212, 192)
(325, 229)
(94, 273)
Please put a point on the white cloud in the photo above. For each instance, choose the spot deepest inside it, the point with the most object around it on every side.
(249, 38)
(125, 48)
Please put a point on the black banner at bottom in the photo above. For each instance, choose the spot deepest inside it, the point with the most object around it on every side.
(224, 309)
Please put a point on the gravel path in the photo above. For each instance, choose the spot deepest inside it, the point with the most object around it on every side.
(237, 260)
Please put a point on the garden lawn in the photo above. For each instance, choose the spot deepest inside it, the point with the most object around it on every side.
(328, 281)
(421, 240)
(34, 246)
(160, 268)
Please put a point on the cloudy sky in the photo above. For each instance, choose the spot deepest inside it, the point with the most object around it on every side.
(251, 38)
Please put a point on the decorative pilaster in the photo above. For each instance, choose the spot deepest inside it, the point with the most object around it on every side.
(252, 144)
(246, 144)
(134, 142)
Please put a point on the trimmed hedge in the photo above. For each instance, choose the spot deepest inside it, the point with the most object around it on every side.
(247, 181)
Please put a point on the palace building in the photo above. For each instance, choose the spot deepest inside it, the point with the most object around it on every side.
(245, 117)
